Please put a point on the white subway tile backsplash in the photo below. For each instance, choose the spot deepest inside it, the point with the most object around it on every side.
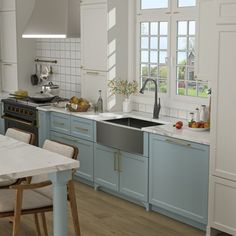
(66, 73)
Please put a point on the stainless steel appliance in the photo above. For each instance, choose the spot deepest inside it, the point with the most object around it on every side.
(22, 114)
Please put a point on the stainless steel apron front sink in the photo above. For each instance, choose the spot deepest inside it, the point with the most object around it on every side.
(124, 134)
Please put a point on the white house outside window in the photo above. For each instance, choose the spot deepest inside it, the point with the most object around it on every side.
(167, 39)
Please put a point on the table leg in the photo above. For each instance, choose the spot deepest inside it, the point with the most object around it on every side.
(59, 180)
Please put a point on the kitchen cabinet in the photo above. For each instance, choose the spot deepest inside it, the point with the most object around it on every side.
(222, 212)
(2, 130)
(178, 178)
(121, 172)
(85, 155)
(43, 127)
(60, 123)
(17, 54)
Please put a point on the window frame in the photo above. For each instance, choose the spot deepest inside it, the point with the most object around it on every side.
(172, 14)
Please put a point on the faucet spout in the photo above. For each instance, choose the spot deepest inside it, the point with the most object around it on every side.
(157, 105)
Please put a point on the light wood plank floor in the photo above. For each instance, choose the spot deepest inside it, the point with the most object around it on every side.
(101, 214)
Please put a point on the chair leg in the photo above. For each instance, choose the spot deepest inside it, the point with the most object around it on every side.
(17, 213)
(36, 220)
(44, 224)
(73, 205)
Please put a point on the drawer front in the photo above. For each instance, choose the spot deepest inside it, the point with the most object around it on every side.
(60, 123)
(82, 128)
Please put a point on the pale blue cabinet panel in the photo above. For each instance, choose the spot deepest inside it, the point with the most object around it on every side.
(85, 155)
(2, 131)
(134, 176)
(82, 128)
(179, 177)
(106, 167)
(60, 122)
(43, 124)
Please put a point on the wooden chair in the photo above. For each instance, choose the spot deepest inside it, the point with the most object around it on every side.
(36, 197)
(22, 136)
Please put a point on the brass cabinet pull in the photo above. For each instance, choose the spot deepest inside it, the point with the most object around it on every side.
(7, 64)
(58, 123)
(92, 73)
(119, 161)
(179, 143)
(115, 160)
(81, 129)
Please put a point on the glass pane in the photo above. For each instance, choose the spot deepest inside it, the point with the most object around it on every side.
(186, 3)
(163, 72)
(182, 43)
(180, 87)
(145, 28)
(144, 56)
(154, 43)
(191, 59)
(163, 43)
(202, 90)
(144, 70)
(191, 44)
(162, 86)
(163, 28)
(182, 27)
(144, 43)
(153, 56)
(151, 4)
(154, 28)
(181, 58)
(154, 71)
(192, 89)
(162, 57)
(192, 28)
(181, 72)
(191, 74)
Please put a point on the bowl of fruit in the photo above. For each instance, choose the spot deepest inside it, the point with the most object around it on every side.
(78, 104)
(199, 125)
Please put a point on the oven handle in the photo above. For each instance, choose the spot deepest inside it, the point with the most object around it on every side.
(17, 120)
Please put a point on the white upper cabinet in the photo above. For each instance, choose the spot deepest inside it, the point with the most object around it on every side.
(9, 77)
(7, 5)
(226, 12)
(8, 36)
(94, 37)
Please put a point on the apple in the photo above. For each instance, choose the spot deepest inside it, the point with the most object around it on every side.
(178, 125)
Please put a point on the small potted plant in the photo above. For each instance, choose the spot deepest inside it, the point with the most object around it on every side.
(124, 88)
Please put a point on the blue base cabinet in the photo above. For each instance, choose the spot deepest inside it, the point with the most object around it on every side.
(2, 129)
(178, 178)
(122, 172)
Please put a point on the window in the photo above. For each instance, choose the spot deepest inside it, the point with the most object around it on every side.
(167, 36)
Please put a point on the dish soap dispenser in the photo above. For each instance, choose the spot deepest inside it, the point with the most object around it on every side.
(100, 102)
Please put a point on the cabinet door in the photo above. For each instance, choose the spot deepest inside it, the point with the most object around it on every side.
(85, 155)
(9, 77)
(106, 167)
(94, 37)
(60, 123)
(7, 5)
(43, 125)
(133, 176)
(8, 36)
(92, 81)
(2, 131)
(223, 147)
(223, 207)
(179, 177)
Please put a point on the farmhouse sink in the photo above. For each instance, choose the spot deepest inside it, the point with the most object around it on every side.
(124, 134)
(133, 122)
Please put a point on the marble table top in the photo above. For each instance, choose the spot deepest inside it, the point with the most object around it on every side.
(19, 160)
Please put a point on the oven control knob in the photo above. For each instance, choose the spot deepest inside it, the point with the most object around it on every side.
(21, 111)
(26, 112)
(31, 113)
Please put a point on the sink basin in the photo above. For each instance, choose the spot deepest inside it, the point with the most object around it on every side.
(123, 133)
(133, 122)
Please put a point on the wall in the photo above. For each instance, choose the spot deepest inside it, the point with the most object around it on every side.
(66, 73)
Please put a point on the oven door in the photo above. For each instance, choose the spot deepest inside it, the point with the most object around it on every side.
(11, 122)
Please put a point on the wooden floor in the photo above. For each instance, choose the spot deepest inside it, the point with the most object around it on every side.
(101, 214)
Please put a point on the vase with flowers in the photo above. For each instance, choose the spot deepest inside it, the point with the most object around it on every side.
(125, 88)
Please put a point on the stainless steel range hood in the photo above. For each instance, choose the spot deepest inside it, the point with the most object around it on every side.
(54, 19)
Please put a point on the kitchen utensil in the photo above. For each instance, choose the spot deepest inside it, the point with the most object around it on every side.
(37, 97)
(51, 88)
(34, 78)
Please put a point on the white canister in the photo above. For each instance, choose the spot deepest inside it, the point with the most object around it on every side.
(127, 105)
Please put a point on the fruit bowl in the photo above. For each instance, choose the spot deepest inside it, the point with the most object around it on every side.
(199, 129)
(77, 108)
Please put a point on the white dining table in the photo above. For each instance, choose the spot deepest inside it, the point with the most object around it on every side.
(19, 160)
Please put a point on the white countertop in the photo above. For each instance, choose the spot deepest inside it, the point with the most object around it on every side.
(167, 130)
(20, 160)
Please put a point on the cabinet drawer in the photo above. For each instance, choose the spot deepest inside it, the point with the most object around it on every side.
(7, 5)
(82, 128)
(60, 123)
(224, 213)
